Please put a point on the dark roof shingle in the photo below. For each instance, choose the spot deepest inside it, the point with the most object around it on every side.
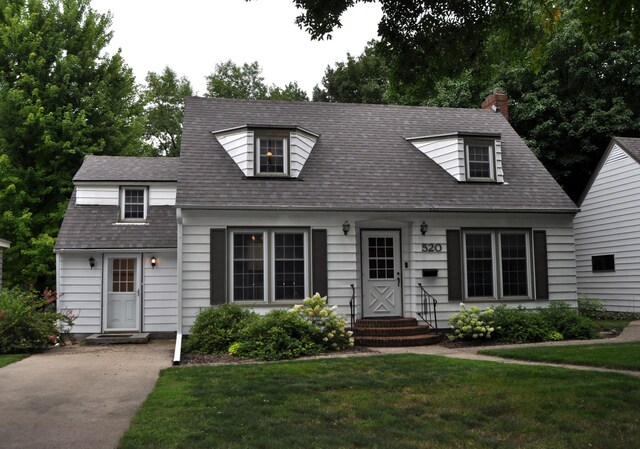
(360, 161)
(96, 227)
(123, 168)
(631, 145)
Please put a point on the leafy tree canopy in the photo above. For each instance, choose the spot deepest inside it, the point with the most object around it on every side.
(163, 100)
(61, 98)
(230, 80)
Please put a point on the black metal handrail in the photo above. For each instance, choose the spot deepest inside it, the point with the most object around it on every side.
(428, 306)
(352, 306)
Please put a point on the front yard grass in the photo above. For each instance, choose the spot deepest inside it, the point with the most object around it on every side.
(390, 401)
(613, 355)
(10, 358)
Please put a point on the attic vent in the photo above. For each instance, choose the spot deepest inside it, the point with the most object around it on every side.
(617, 154)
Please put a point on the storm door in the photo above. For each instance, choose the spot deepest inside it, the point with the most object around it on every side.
(381, 274)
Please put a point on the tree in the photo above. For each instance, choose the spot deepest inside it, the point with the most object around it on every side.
(163, 100)
(61, 98)
(230, 80)
(362, 79)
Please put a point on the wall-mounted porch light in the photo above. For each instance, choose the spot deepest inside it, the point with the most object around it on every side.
(92, 262)
(424, 228)
(345, 227)
(154, 261)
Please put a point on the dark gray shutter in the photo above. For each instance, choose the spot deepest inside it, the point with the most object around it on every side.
(541, 267)
(319, 261)
(218, 266)
(454, 264)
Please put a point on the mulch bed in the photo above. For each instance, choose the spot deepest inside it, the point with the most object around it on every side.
(189, 359)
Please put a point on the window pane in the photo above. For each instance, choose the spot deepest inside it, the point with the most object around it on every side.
(134, 203)
(248, 266)
(289, 266)
(479, 265)
(479, 161)
(603, 263)
(381, 258)
(271, 153)
(513, 249)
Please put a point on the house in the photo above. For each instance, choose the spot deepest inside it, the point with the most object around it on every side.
(4, 244)
(383, 207)
(607, 229)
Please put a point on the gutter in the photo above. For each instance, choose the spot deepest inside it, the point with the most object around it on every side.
(178, 349)
(379, 209)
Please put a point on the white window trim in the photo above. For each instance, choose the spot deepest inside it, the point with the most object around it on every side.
(268, 255)
(496, 263)
(527, 240)
(491, 144)
(145, 189)
(285, 153)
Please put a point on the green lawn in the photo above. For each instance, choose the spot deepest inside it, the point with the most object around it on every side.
(613, 355)
(10, 358)
(391, 401)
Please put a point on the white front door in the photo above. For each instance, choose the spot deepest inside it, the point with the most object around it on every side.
(381, 268)
(122, 292)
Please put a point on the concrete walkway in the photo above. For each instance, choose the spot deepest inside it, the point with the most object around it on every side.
(77, 396)
(630, 334)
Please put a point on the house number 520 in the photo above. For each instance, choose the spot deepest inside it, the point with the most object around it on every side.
(431, 247)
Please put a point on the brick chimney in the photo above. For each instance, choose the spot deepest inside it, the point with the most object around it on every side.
(498, 102)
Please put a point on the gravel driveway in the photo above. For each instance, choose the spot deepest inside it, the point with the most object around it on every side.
(77, 396)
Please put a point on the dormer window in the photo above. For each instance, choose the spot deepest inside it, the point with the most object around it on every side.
(272, 155)
(133, 203)
(480, 157)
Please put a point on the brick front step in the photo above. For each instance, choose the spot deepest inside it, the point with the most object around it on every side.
(405, 340)
(386, 322)
(390, 331)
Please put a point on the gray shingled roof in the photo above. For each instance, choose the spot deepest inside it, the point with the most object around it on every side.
(91, 227)
(122, 168)
(360, 161)
(631, 145)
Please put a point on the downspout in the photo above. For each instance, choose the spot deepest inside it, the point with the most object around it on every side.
(178, 349)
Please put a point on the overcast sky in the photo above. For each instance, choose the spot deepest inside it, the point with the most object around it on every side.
(192, 36)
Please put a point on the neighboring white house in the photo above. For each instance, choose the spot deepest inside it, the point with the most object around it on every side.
(4, 244)
(278, 200)
(607, 229)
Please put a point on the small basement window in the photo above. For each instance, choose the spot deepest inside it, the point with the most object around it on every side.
(603, 264)
(272, 154)
(480, 157)
(133, 203)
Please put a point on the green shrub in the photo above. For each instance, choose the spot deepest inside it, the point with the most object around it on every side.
(331, 332)
(471, 324)
(567, 321)
(280, 334)
(29, 321)
(595, 309)
(520, 325)
(217, 328)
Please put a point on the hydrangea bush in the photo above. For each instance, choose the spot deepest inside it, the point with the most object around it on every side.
(471, 324)
(331, 332)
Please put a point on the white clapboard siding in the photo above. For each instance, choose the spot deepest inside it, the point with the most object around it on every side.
(80, 290)
(239, 145)
(162, 194)
(609, 223)
(498, 155)
(97, 194)
(343, 253)
(301, 146)
(447, 152)
(160, 298)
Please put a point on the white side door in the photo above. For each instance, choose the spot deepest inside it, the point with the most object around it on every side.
(122, 292)
(381, 269)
